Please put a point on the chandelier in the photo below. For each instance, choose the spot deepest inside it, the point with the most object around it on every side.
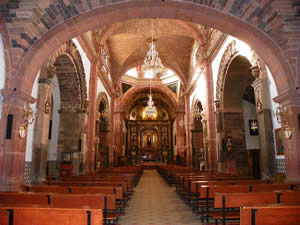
(150, 111)
(152, 62)
(153, 65)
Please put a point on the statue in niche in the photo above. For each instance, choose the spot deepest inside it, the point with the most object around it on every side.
(149, 141)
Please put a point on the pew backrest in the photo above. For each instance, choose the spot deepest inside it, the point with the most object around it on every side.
(272, 214)
(33, 215)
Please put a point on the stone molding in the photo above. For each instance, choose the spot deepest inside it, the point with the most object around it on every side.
(289, 98)
(15, 96)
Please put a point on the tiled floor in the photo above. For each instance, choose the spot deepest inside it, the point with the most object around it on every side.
(155, 203)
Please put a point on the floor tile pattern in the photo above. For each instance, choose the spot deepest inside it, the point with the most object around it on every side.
(155, 203)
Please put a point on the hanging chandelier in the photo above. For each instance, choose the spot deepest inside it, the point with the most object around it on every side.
(152, 61)
(153, 65)
(150, 111)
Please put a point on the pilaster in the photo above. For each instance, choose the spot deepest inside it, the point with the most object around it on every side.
(290, 100)
(12, 156)
(264, 117)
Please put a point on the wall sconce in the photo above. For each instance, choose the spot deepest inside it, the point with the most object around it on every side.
(29, 117)
(282, 118)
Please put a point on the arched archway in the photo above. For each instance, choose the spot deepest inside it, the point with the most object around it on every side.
(239, 77)
(199, 136)
(62, 109)
(257, 39)
(102, 153)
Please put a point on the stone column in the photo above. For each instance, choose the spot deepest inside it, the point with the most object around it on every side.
(12, 156)
(264, 118)
(210, 117)
(188, 131)
(180, 130)
(91, 125)
(112, 131)
(41, 130)
(290, 121)
(219, 137)
(118, 130)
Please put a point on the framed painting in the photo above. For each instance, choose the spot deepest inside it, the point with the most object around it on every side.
(279, 141)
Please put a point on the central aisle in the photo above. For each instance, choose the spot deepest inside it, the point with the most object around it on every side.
(155, 203)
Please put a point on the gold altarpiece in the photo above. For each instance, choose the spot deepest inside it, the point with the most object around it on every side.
(149, 139)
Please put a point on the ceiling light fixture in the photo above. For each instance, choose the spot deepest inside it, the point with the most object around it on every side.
(152, 65)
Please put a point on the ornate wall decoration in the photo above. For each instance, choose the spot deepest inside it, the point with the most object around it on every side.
(230, 52)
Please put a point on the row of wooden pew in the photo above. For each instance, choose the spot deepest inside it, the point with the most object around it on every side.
(231, 199)
(91, 199)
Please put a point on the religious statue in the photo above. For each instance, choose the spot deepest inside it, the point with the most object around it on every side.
(148, 141)
(229, 147)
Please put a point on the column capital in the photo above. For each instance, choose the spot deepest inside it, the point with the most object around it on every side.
(180, 108)
(259, 82)
(288, 98)
(47, 81)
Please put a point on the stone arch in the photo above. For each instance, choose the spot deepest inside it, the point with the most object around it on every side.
(229, 55)
(298, 67)
(68, 56)
(259, 38)
(170, 96)
(237, 74)
(7, 53)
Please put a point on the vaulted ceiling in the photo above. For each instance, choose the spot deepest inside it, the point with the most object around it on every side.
(127, 44)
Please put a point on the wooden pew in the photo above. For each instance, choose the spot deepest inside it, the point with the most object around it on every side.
(91, 183)
(227, 201)
(100, 201)
(129, 180)
(47, 215)
(270, 214)
(75, 189)
(206, 193)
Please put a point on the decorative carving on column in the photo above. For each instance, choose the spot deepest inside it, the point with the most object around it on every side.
(229, 54)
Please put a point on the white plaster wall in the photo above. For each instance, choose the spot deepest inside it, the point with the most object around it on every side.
(252, 142)
(273, 93)
(86, 64)
(100, 88)
(30, 129)
(2, 72)
(52, 148)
